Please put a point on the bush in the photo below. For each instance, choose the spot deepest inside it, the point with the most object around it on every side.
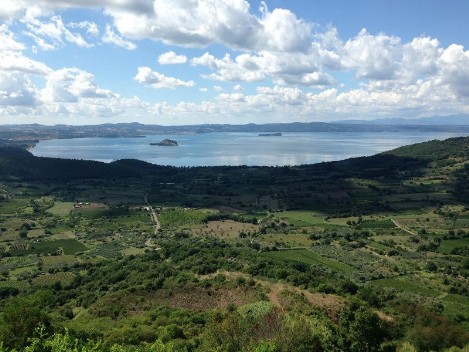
(431, 266)
(23, 233)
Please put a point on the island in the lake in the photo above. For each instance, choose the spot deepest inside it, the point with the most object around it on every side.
(277, 134)
(166, 143)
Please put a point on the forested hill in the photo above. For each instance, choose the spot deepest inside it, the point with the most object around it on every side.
(435, 150)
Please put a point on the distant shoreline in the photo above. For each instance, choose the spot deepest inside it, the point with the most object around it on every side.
(276, 134)
(28, 136)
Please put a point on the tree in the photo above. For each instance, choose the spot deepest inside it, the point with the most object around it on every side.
(363, 331)
(21, 317)
(23, 233)
(465, 263)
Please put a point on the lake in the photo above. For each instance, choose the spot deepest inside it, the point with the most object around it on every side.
(215, 149)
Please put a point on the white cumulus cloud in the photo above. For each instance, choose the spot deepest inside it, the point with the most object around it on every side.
(70, 85)
(171, 58)
(227, 69)
(204, 22)
(373, 56)
(11, 9)
(454, 70)
(112, 37)
(12, 57)
(283, 68)
(158, 80)
(16, 61)
(53, 33)
(17, 89)
(8, 41)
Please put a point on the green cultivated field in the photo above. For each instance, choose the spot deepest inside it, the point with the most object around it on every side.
(48, 279)
(308, 257)
(67, 246)
(173, 218)
(447, 246)
(61, 208)
(408, 283)
(377, 224)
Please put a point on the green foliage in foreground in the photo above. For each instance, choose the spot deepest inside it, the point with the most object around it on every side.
(359, 330)
(123, 298)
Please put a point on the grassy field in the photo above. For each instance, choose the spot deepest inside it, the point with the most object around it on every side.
(456, 306)
(16, 273)
(109, 250)
(446, 246)
(172, 218)
(21, 285)
(309, 257)
(290, 240)
(227, 229)
(13, 206)
(58, 260)
(48, 279)
(407, 283)
(132, 251)
(377, 224)
(93, 212)
(300, 218)
(62, 235)
(61, 208)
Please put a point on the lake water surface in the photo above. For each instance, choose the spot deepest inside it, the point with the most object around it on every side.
(215, 149)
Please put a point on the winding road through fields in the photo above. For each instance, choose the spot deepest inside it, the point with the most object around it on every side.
(403, 228)
(154, 217)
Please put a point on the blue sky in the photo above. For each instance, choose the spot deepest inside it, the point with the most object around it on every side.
(231, 61)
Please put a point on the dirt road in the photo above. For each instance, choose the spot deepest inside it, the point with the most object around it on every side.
(403, 228)
(154, 217)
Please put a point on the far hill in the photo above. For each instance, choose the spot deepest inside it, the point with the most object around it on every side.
(451, 120)
(28, 135)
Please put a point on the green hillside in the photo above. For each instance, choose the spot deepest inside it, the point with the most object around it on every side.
(365, 254)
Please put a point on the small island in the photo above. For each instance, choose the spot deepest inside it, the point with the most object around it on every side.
(166, 143)
(277, 134)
